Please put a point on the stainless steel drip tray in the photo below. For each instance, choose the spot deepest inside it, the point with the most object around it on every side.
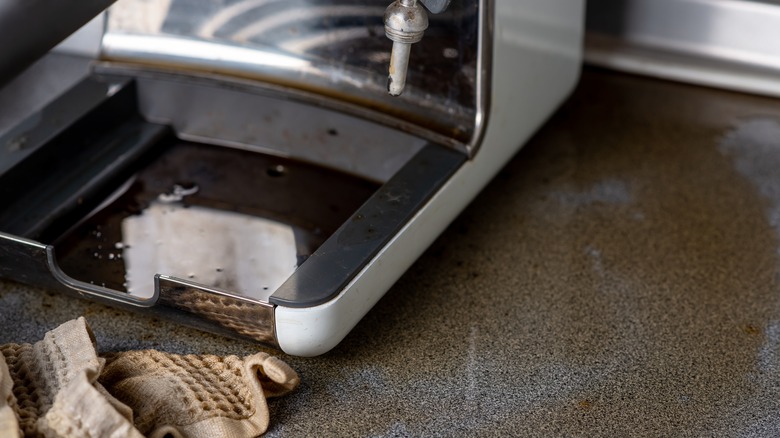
(225, 218)
(101, 203)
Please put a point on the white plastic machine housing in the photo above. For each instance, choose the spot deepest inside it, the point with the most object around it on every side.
(537, 51)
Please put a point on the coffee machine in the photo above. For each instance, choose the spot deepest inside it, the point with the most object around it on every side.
(263, 169)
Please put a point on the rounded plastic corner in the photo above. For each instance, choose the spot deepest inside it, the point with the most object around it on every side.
(309, 332)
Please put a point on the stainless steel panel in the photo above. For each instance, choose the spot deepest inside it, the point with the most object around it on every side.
(236, 115)
(334, 49)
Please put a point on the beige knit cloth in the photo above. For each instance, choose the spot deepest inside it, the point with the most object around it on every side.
(59, 387)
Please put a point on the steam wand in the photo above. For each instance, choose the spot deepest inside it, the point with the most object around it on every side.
(405, 24)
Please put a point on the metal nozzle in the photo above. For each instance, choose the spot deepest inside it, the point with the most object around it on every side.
(405, 23)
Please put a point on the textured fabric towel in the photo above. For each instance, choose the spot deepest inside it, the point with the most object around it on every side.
(60, 387)
(197, 396)
(54, 392)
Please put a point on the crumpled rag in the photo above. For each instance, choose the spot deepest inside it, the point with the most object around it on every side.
(60, 387)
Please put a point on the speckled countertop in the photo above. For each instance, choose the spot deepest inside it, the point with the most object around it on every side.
(619, 277)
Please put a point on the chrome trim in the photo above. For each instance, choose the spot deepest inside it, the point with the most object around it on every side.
(726, 43)
(484, 78)
(216, 310)
(187, 303)
(34, 263)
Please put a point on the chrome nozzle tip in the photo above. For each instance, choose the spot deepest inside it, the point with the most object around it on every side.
(394, 88)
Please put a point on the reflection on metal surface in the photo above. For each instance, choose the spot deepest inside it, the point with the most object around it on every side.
(165, 49)
(246, 254)
(208, 309)
(339, 47)
(236, 115)
(31, 262)
(218, 311)
(24, 260)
